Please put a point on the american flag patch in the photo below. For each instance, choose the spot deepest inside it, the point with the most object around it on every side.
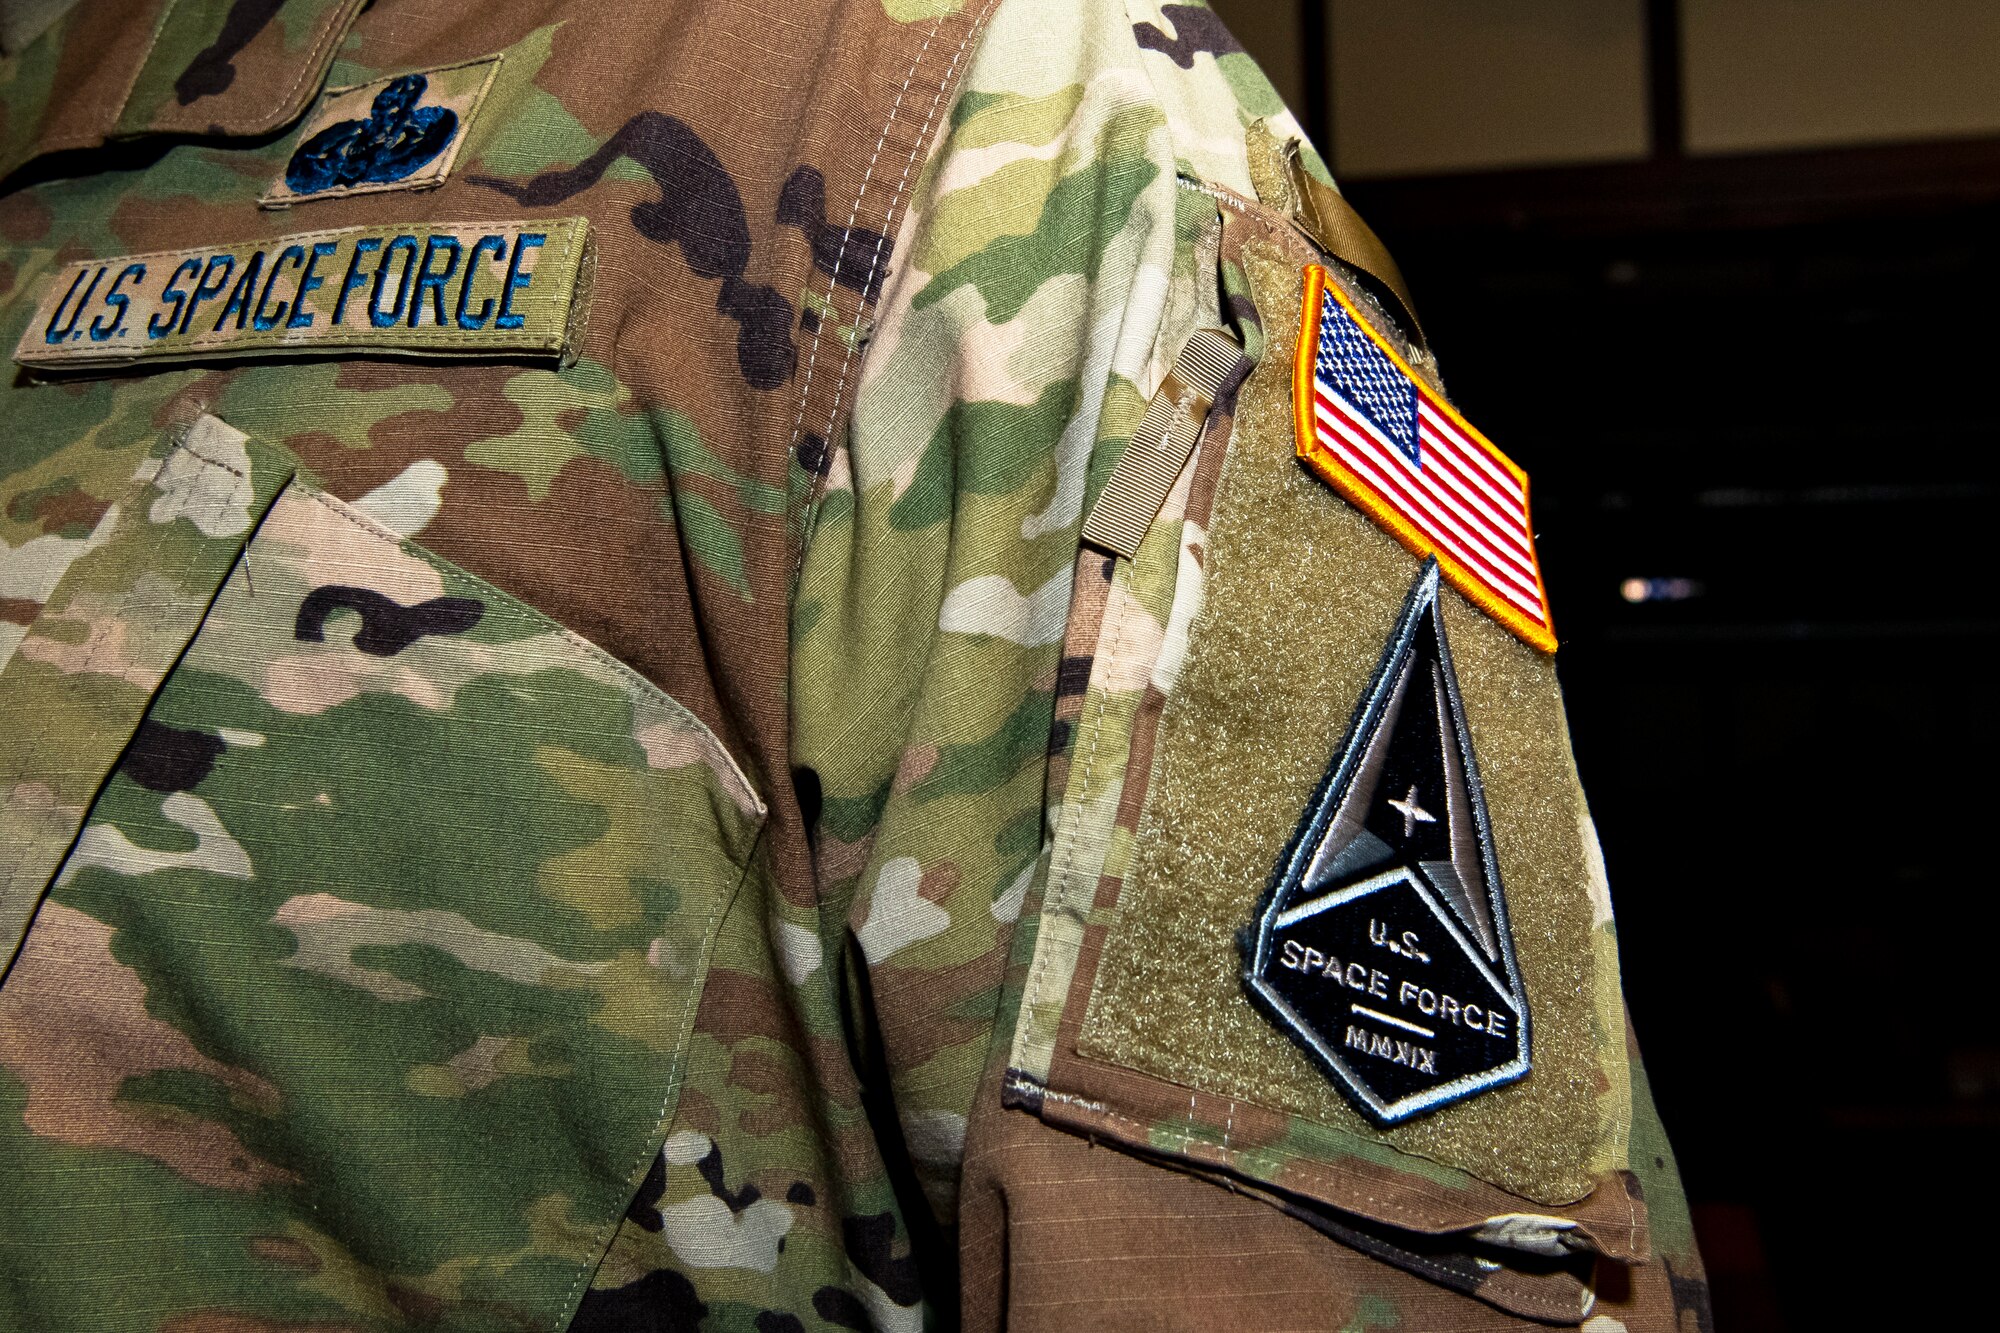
(1373, 431)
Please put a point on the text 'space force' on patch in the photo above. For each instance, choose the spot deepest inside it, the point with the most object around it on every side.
(463, 288)
(1383, 948)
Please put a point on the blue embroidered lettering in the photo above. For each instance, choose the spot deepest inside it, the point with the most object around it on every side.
(488, 244)
(163, 321)
(265, 319)
(426, 289)
(204, 290)
(243, 295)
(309, 282)
(52, 334)
(118, 301)
(434, 282)
(88, 292)
(367, 245)
(406, 246)
(516, 280)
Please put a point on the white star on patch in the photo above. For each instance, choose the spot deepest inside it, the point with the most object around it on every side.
(1413, 814)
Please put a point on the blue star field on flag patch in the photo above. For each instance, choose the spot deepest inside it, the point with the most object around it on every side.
(1350, 362)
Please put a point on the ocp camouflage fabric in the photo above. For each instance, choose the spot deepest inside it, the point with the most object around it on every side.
(619, 838)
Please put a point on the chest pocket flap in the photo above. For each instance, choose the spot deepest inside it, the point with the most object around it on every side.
(364, 989)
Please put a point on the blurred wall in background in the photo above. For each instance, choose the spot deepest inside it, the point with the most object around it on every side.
(1413, 87)
(1718, 274)
(1531, 82)
(1763, 74)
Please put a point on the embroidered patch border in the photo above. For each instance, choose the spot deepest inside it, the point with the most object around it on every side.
(1423, 1005)
(1410, 461)
(509, 288)
(361, 136)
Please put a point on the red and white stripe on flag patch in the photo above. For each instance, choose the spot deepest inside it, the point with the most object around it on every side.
(1408, 459)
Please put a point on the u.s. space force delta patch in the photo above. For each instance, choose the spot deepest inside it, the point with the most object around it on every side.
(1382, 947)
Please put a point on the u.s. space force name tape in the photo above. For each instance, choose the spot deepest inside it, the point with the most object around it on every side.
(463, 289)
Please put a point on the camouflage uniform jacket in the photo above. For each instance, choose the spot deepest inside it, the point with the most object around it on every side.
(564, 762)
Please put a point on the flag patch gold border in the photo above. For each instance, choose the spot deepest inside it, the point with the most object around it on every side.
(1314, 452)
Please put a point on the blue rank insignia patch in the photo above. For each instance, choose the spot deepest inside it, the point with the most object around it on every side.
(398, 133)
(1382, 946)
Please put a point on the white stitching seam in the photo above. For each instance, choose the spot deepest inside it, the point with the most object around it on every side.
(882, 239)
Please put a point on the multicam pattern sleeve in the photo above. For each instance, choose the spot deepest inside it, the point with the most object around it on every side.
(977, 697)
(1050, 268)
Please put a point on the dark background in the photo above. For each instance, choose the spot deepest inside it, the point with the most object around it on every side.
(1755, 396)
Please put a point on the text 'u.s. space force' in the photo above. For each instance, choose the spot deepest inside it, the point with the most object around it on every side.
(456, 289)
(385, 280)
(1410, 999)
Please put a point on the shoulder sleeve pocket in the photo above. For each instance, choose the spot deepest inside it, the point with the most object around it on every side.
(1232, 664)
(363, 990)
